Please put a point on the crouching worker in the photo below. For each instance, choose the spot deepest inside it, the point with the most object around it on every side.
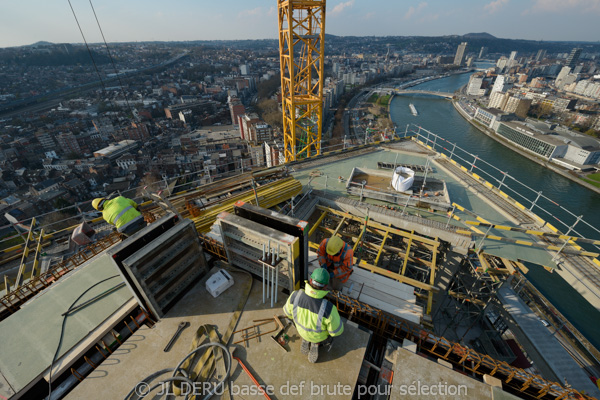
(337, 257)
(122, 213)
(317, 320)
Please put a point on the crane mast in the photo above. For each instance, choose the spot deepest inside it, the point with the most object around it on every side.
(301, 51)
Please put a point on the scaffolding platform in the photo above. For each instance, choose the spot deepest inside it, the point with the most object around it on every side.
(425, 192)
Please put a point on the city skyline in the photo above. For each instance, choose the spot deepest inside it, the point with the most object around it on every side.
(30, 21)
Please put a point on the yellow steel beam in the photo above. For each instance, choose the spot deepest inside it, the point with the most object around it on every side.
(36, 260)
(406, 255)
(338, 227)
(362, 232)
(398, 277)
(387, 273)
(387, 233)
(462, 296)
(317, 224)
(380, 226)
(25, 254)
(431, 282)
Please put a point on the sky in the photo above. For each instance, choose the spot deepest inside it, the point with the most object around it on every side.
(28, 21)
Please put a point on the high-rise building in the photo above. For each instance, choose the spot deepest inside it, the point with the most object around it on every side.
(483, 51)
(475, 85)
(501, 85)
(518, 106)
(541, 54)
(459, 58)
(513, 55)
(244, 69)
(236, 108)
(67, 143)
(498, 100)
(573, 57)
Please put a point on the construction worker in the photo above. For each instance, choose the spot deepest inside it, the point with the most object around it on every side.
(317, 320)
(337, 257)
(122, 213)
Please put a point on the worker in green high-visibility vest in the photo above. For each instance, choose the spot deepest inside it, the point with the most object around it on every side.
(317, 319)
(122, 213)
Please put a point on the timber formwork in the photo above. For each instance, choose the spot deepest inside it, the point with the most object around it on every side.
(400, 255)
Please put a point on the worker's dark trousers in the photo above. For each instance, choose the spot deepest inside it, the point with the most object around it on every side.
(335, 284)
(134, 226)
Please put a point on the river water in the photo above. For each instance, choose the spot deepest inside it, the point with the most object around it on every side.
(439, 116)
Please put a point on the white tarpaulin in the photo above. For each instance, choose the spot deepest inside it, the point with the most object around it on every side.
(403, 179)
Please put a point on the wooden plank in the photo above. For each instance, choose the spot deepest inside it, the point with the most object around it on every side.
(377, 286)
(508, 265)
(359, 288)
(389, 285)
(397, 311)
(486, 266)
(521, 267)
(400, 278)
(382, 296)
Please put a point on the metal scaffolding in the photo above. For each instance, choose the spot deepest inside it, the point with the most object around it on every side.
(301, 51)
(472, 289)
(400, 255)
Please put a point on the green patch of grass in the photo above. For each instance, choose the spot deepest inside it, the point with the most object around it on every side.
(373, 99)
(594, 177)
(591, 182)
(384, 100)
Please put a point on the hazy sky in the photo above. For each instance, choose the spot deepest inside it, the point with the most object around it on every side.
(29, 21)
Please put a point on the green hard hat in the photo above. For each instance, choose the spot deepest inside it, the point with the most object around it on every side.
(320, 276)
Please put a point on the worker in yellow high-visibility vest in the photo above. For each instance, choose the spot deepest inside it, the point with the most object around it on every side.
(317, 319)
(122, 213)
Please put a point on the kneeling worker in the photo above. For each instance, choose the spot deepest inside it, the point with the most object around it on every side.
(317, 320)
(122, 213)
(337, 257)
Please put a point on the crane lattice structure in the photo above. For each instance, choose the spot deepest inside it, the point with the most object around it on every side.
(301, 51)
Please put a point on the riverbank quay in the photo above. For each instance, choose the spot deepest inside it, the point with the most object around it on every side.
(553, 167)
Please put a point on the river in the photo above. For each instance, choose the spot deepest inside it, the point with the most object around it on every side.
(439, 116)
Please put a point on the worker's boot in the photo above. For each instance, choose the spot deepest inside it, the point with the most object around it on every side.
(305, 347)
(327, 343)
(313, 355)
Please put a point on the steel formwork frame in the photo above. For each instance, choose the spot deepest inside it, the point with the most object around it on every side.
(472, 289)
(463, 358)
(385, 245)
(301, 52)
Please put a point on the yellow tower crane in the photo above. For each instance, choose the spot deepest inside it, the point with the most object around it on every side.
(301, 52)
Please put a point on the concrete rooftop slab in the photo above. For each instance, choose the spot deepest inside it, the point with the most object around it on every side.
(416, 377)
(458, 193)
(142, 354)
(31, 336)
(554, 354)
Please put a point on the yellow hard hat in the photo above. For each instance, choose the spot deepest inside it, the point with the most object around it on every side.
(334, 245)
(98, 203)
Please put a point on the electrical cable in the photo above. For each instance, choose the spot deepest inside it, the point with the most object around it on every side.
(86, 45)
(113, 63)
(62, 330)
(144, 385)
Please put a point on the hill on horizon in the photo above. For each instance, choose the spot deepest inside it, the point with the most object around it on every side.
(481, 35)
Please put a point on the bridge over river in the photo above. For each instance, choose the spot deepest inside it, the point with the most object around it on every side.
(416, 91)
